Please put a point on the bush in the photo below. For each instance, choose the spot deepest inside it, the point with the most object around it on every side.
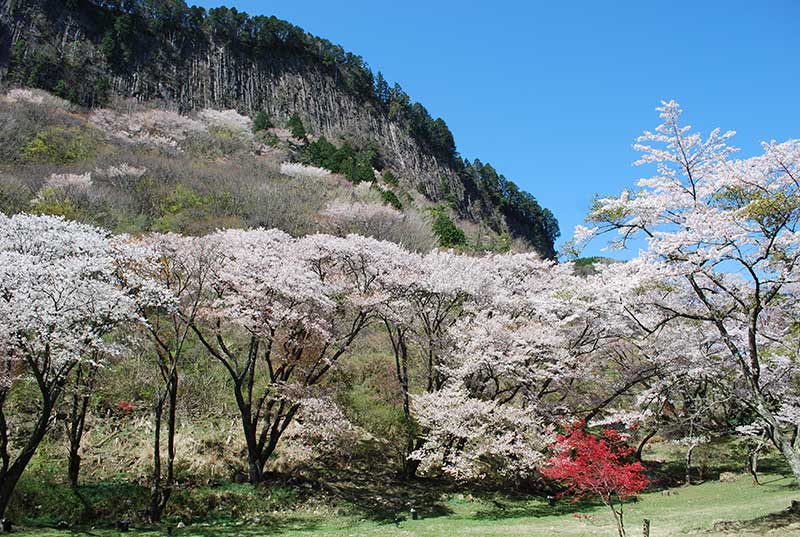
(20, 121)
(14, 196)
(60, 145)
(296, 127)
(215, 144)
(390, 179)
(55, 202)
(261, 122)
(187, 211)
(390, 198)
(357, 166)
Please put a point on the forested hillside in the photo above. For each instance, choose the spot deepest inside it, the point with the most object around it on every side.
(186, 58)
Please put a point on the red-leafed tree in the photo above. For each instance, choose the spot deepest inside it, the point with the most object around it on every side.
(596, 465)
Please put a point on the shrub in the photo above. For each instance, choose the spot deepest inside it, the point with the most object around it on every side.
(60, 145)
(261, 122)
(357, 166)
(381, 222)
(158, 128)
(35, 97)
(187, 211)
(14, 196)
(322, 437)
(217, 143)
(56, 202)
(360, 172)
(227, 121)
(502, 243)
(296, 127)
(390, 198)
(269, 138)
(597, 466)
(295, 169)
(390, 179)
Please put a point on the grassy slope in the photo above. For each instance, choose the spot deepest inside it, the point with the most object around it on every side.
(685, 511)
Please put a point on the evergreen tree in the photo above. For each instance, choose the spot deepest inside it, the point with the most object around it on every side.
(448, 234)
(296, 127)
(261, 122)
(381, 89)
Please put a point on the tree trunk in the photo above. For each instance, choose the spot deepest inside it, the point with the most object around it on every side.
(781, 441)
(689, 464)
(412, 465)
(77, 421)
(154, 511)
(171, 420)
(161, 485)
(7, 484)
(255, 473)
(752, 464)
(643, 443)
(73, 464)
(397, 336)
(10, 477)
(618, 519)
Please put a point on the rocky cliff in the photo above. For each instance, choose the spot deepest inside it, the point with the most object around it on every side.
(161, 49)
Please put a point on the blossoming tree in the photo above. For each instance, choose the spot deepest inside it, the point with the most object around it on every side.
(278, 315)
(59, 300)
(166, 277)
(518, 351)
(722, 250)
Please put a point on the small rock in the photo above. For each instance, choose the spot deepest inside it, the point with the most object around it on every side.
(180, 525)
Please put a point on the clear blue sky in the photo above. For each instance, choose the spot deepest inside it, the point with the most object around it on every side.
(554, 93)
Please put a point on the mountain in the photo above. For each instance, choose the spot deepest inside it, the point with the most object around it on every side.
(90, 51)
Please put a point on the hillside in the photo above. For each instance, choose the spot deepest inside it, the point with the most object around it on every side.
(90, 52)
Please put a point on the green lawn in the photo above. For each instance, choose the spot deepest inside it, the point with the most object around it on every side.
(685, 511)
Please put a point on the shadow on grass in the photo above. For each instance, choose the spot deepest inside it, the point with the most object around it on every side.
(48, 504)
(270, 527)
(536, 509)
(387, 500)
(762, 524)
(672, 474)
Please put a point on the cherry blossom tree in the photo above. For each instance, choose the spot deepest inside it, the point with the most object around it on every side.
(166, 277)
(321, 436)
(756, 439)
(596, 465)
(279, 314)
(518, 350)
(59, 300)
(471, 438)
(722, 249)
(426, 297)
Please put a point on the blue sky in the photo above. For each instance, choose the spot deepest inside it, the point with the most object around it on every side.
(553, 94)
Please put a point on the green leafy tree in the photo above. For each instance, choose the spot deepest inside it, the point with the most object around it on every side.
(382, 89)
(447, 233)
(296, 127)
(261, 121)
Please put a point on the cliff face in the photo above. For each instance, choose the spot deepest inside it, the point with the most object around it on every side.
(46, 43)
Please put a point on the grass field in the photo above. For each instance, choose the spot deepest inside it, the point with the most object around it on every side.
(684, 511)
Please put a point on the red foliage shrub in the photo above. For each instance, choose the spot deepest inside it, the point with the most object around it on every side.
(596, 465)
(126, 407)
